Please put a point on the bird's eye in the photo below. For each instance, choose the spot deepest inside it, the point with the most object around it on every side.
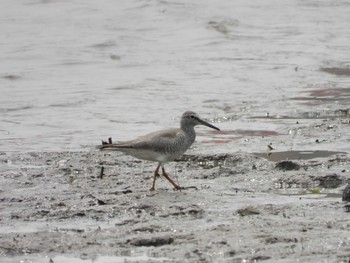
(192, 116)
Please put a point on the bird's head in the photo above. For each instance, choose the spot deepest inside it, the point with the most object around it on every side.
(190, 118)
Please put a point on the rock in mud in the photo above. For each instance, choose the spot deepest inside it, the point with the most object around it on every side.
(287, 166)
(346, 193)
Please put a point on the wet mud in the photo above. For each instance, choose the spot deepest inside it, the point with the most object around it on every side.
(56, 207)
(337, 71)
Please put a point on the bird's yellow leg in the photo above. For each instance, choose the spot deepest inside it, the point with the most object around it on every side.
(155, 177)
(169, 179)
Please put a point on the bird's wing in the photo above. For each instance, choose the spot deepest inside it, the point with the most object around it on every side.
(157, 141)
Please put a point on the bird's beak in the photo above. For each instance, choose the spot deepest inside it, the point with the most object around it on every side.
(207, 124)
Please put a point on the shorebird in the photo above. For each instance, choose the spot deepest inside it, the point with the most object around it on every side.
(162, 146)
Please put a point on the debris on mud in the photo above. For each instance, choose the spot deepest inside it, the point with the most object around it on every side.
(152, 241)
(247, 211)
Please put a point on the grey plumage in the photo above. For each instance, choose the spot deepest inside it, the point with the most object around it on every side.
(162, 146)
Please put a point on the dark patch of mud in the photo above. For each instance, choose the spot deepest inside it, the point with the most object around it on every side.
(330, 180)
(337, 71)
(151, 241)
(12, 77)
(224, 26)
(287, 166)
(296, 155)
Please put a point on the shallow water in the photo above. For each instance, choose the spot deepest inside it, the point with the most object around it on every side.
(296, 155)
(76, 72)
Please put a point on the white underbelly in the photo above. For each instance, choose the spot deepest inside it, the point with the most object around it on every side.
(152, 155)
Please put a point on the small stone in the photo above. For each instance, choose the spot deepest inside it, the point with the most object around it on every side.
(287, 166)
(248, 211)
(346, 193)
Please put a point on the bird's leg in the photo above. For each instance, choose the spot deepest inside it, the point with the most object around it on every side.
(155, 177)
(169, 179)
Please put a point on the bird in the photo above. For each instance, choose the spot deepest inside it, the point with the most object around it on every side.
(162, 146)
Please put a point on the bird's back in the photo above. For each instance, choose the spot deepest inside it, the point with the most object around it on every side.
(165, 145)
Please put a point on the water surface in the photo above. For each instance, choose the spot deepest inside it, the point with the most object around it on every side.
(76, 72)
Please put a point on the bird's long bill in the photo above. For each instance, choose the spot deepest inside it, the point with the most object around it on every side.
(208, 124)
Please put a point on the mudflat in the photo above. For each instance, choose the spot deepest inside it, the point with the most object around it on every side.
(239, 207)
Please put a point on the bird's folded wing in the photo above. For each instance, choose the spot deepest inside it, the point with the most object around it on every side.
(157, 141)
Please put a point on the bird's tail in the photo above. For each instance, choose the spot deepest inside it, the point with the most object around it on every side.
(112, 147)
(108, 147)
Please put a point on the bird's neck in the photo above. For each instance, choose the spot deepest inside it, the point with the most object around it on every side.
(190, 132)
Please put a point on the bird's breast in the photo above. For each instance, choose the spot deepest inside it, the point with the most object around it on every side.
(178, 148)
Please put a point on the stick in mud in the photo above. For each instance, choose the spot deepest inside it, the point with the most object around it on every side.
(101, 172)
(102, 167)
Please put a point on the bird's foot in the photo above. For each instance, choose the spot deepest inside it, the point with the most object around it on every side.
(156, 174)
